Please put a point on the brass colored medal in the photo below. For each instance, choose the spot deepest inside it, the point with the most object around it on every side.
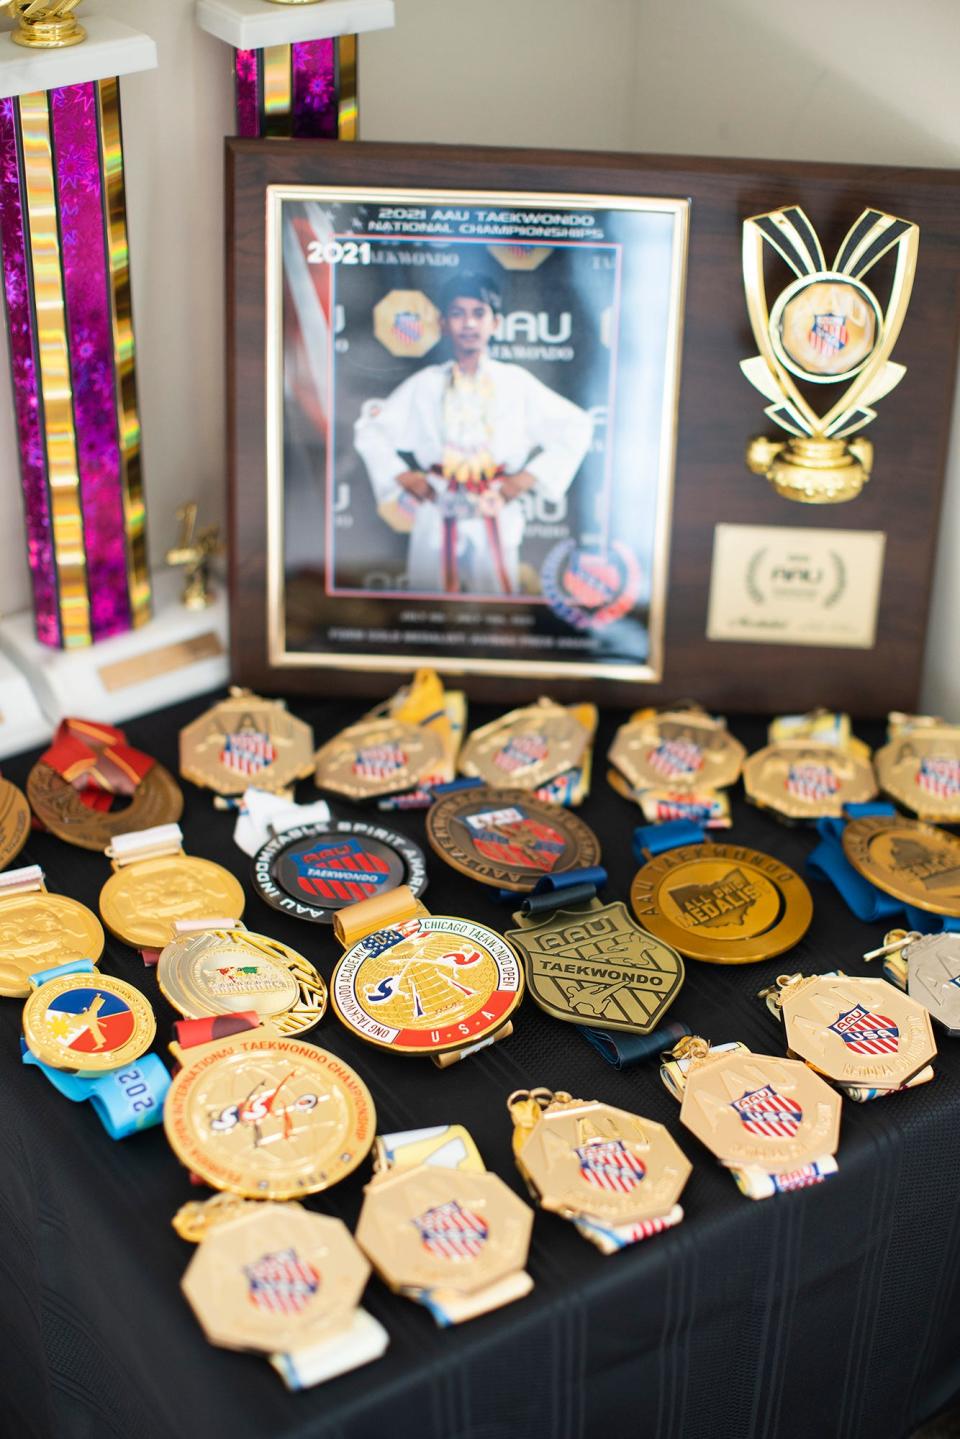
(246, 741)
(859, 1032)
(378, 757)
(722, 903)
(920, 769)
(933, 976)
(14, 822)
(267, 1117)
(88, 1023)
(801, 780)
(156, 800)
(39, 930)
(155, 885)
(526, 748)
(682, 749)
(223, 971)
(507, 838)
(908, 859)
(592, 964)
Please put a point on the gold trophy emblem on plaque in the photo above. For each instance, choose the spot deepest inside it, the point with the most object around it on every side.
(826, 327)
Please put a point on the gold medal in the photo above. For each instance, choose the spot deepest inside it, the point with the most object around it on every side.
(908, 859)
(87, 1023)
(801, 780)
(223, 971)
(378, 757)
(267, 1117)
(526, 748)
(920, 769)
(14, 822)
(246, 741)
(155, 885)
(39, 930)
(722, 903)
(507, 838)
(57, 804)
(856, 1032)
(676, 749)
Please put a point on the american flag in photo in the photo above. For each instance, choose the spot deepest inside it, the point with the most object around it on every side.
(768, 1114)
(451, 1232)
(379, 761)
(281, 1283)
(676, 757)
(811, 781)
(940, 776)
(307, 305)
(248, 752)
(609, 1164)
(828, 334)
(865, 1032)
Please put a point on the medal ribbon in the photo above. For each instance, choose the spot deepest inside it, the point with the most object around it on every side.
(97, 761)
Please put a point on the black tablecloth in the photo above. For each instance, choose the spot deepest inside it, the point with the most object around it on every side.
(833, 1311)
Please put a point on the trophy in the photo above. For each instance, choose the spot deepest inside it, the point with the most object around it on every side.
(826, 327)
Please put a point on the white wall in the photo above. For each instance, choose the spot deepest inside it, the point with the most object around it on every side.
(822, 81)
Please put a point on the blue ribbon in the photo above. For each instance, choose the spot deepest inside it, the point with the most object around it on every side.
(651, 839)
(622, 1049)
(125, 1100)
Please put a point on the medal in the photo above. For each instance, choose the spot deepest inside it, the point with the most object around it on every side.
(311, 871)
(927, 966)
(507, 838)
(225, 971)
(676, 749)
(907, 859)
(263, 1116)
(86, 1022)
(526, 748)
(378, 757)
(423, 984)
(38, 930)
(588, 963)
(14, 822)
(154, 885)
(617, 1176)
(920, 769)
(244, 741)
(721, 903)
(800, 780)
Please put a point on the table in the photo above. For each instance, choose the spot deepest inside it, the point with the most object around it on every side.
(832, 1311)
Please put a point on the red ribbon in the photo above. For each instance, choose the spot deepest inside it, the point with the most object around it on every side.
(97, 761)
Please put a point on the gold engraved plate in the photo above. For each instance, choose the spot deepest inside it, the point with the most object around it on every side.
(591, 964)
(88, 1023)
(14, 822)
(860, 1032)
(933, 976)
(678, 749)
(223, 971)
(722, 903)
(446, 1230)
(526, 748)
(908, 859)
(275, 1279)
(589, 1160)
(246, 741)
(759, 1111)
(155, 885)
(378, 757)
(921, 771)
(267, 1117)
(39, 930)
(801, 780)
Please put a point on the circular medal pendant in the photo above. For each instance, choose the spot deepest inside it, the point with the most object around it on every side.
(761, 1112)
(267, 1117)
(39, 930)
(525, 749)
(142, 902)
(314, 870)
(824, 327)
(921, 771)
(156, 800)
(722, 903)
(246, 741)
(508, 839)
(907, 859)
(933, 976)
(14, 822)
(88, 1023)
(803, 781)
(860, 1032)
(223, 971)
(428, 985)
(597, 1162)
(378, 757)
(680, 749)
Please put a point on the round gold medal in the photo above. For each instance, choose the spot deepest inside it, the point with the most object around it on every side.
(378, 757)
(824, 327)
(507, 838)
(267, 1117)
(14, 822)
(525, 749)
(802, 780)
(722, 903)
(223, 971)
(921, 771)
(908, 859)
(156, 800)
(39, 930)
(682, 749)
(88, 1023)
(244, 741)
(860, 1032)
(142, 902)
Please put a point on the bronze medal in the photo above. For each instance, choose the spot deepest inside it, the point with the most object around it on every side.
(920, 769)
(908, 859)
(14, 822)
(155, 800)
(803, 780)
(508, 839)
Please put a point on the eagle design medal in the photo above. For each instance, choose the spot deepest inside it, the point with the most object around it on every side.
(910, 860)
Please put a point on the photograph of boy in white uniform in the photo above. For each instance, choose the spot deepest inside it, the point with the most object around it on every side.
(452, 449)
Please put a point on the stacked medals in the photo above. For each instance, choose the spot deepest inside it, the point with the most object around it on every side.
(919, 767)
(675, 763)
(244, 741)
(14, 822)
(811, 768)
(421, 984)
(772, 1122)
(616, 1176)
(927, 967)
(544, 749)
(863, 1035)
(39, 929)
(72, 786)
(721, 903)
(311, 871)
(440, 1229)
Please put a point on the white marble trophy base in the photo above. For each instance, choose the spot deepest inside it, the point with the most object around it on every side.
(256, 24)
(177, 654)
(111, 48)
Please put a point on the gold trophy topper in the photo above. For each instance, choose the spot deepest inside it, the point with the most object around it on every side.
(46, 24)
(825, 328)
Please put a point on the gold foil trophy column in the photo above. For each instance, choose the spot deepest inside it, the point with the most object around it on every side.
(826, 327)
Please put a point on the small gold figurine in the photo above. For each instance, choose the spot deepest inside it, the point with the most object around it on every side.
(195, 553)
(46, 24)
